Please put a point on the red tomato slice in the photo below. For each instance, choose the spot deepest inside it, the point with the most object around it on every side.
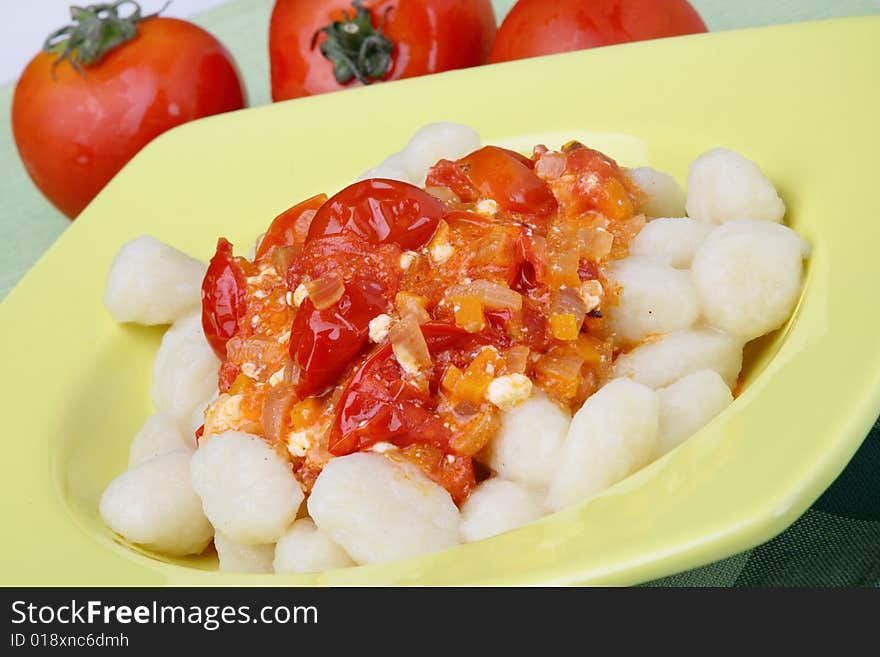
(223, 298)
(381, 212)
(378, 405)
(291, 226)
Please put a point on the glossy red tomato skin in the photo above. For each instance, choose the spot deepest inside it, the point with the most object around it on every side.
(74, 133)
(358, 233)
(429, 36)
(377, 405)
(224, 300)
(540, 27)
(499, 174)
(285, 229)
(381, 212)
(324, 342)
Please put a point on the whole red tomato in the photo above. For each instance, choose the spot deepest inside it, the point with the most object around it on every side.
(77, 120)
(316, 46)
(541, 27)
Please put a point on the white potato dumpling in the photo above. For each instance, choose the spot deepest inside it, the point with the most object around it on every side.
(672, 241)
(724, 185)
(154, 505)
(613, 435)
(660, 362)
(749, 275)
(525, 447)
(663, 196)
(184, 371)
(393, 167)
(497, 506)
(433, 142)
(381, 510)
(159, 435)
(239, 558)
(438, 141)
(306, 549)
(151, 283)
(248, 490)
(654, 299)
(688, 405)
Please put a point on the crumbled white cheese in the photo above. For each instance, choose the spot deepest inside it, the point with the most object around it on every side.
(266, 271)
(488, 208)
(289, 298)
(407, 258)
(299, 295)
(379, 327)
(509, 391)
(591, 292)
(223, 414)
(382, 448)
(284, 337)
(441, 252)
(298, 442)
(249, 370)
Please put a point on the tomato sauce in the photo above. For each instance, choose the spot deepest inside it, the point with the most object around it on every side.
(378, 318)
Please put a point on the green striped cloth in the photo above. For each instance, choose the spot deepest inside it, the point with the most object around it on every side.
(835, 543)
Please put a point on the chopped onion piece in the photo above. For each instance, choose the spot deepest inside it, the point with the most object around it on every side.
(276, 411)
(477, 433)
(569, 302)
(596, 243)
(491, 295)
(559, 374)
(443, 193)
(325, 290)
(412, 305)
(550, 166)
(409, 345)
(517, 358)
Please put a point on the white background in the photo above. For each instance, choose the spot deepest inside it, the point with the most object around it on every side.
(27, 23)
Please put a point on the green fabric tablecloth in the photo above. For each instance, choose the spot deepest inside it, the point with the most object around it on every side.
(837, 542)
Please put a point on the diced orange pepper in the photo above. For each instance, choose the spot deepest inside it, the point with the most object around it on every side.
(469, 314)
(451, 377)
(478, 376)
(243, 383)
(564, 327)
(305, 413)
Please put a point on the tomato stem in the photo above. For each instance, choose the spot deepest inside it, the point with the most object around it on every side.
(355, 47)
(96, 30)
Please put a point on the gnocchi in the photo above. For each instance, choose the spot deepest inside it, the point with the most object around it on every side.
(425, 367)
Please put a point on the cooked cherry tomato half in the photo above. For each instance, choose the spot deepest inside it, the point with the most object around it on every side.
(499, 174)
(379, 405)
(291, 227)
(324, 342)
(381, 212)
(223, 298)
